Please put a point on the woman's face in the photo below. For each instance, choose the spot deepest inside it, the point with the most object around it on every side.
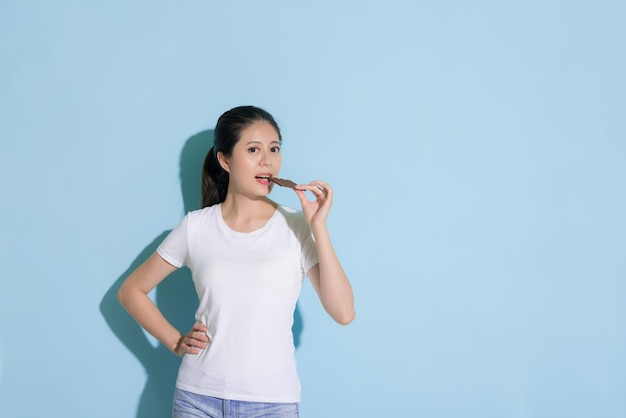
(255, 158)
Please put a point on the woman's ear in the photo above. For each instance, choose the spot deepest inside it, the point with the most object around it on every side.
(221, 158)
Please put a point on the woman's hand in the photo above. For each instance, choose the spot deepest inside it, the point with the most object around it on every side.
(316, 211)
(195, 340)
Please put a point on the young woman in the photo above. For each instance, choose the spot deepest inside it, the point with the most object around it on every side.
(248, 256)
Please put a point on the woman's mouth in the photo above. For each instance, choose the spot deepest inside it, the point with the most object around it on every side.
(264, 178)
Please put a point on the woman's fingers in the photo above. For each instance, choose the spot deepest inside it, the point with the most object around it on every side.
(195, 340)
(198, 335)
(200, 328)
(315, 211)
(318, 188)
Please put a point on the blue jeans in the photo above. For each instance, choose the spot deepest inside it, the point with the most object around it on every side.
(192, 405)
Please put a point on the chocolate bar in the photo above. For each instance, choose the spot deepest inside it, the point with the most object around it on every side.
(283, 182)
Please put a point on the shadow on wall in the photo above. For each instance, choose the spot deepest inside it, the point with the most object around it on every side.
(175, 297)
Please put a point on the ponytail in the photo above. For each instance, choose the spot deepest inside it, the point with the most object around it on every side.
(214, 180)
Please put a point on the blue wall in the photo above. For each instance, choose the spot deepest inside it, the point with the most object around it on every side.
(478, 155)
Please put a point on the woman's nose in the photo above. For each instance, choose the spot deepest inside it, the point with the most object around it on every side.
(266, 160)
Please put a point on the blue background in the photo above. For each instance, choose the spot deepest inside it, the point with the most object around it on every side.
(477, 151)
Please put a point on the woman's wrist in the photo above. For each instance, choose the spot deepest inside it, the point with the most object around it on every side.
(175, 345)
(319, 230)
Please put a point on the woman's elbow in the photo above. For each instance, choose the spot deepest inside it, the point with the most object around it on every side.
(122, 295)
(345, 318)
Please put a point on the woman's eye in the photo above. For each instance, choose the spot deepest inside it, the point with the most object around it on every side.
(252, 150)
(275, 149)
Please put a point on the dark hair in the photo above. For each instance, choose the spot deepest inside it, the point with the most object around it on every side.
(227, 134)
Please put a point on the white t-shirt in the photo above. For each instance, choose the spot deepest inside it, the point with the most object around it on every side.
(248, 285)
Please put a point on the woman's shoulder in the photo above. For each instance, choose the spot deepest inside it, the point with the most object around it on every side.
(203, 214)
(293, 217)
(288, 211)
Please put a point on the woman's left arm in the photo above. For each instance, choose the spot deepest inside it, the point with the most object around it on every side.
(328, 277)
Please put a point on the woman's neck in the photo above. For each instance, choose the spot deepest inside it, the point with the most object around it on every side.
(245, 215)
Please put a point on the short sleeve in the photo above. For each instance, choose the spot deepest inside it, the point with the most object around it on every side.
(309, 248)
(174, 248)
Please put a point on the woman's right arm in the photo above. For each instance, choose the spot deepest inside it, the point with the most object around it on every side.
(133, 295)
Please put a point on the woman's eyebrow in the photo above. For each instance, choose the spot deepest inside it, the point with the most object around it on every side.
(255, 141)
